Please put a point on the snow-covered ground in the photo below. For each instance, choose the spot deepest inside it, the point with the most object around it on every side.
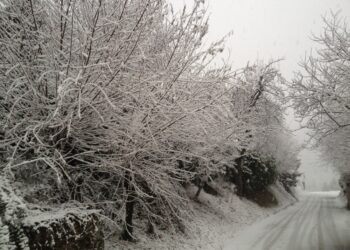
(215, 220)
(318, 221)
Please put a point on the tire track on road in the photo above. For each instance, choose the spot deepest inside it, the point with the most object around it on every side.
(302, 225)
(270, 239)
(315, 223)
(328, 222)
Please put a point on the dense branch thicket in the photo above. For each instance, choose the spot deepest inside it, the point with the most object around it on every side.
(113, 104)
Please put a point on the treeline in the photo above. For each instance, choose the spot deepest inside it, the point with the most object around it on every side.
(116, 105)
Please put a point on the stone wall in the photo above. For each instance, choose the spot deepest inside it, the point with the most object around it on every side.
(45, 229)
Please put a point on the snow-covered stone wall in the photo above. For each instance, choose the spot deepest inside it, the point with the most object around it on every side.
(23, 227)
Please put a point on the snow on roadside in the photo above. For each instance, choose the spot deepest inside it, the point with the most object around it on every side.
(340, 200)
(284, 198)
(215, 220)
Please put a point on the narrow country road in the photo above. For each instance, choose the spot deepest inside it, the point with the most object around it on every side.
(317, 222)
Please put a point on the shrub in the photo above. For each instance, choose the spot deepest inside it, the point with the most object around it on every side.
(288, 180)
(258, 173)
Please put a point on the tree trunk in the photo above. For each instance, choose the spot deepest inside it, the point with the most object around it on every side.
(239, 176)
(150, 227)
(129, 209)
(239, 180)
(200, 187)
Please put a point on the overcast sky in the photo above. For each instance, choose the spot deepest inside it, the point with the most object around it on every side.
(266, 29)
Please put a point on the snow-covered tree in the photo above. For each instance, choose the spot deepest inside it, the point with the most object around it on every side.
(257, 105)
(321, 92)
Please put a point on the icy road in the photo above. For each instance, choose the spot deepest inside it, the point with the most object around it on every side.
(319, 221)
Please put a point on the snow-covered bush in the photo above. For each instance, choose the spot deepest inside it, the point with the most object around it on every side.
(100, 99)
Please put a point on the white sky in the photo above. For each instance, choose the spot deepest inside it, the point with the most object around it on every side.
(265, 29)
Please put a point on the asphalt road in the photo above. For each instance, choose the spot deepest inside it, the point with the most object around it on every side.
(318, 222)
